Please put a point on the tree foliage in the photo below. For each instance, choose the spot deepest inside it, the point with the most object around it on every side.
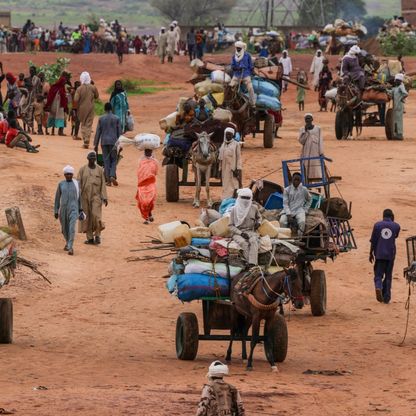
(398, 44)
(52, 71)
(310, 11)
(194, 12)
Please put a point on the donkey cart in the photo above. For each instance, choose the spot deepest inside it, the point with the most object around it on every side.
(217, 315)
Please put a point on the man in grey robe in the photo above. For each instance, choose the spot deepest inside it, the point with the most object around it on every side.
(399, 95)
(296, 203)
(68, 207)
(245, 219)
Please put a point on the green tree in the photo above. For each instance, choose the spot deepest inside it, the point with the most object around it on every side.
(311, 11)
(194, 12)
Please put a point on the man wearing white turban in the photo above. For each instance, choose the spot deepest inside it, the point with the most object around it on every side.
(68, 207)
(219, 397)
(162, 44)
(316, 67)
(287, 67)
(245, 219)
(242, 66)
(230, 158)
(84, 100)
(351, 67)
(399, 96)
(171, 42)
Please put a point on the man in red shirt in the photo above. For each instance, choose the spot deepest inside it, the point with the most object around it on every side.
(15, 137)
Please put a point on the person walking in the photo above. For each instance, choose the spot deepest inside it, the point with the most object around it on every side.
(108, 132)
(311, 139)
(120, 49)
(68, 207)
(57, 105)
(84, 102)
(93, 195)
(120, 104)
(287, 67)
(302, 79)
(383, 251)
(146, 185)
(316, 68)
(191, 43)
(162, 44)
(171, 43)
(219, 397)
(399, 96)
(230, 158)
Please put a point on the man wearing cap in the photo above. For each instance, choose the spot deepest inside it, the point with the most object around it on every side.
(242, 66)
(230, 158)
(93, 194)
(351, 67)
(310, 137)
(296, 204)
(219, 397)
(68, 207)
(399, 95)
(383, 251)
(245, 219)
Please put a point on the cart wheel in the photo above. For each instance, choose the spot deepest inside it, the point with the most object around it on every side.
(276, 339)
(318, 293)
(6, 321)
(342, 124)
(389, 125)
(172, 183)
(187, 334)
(268, 134)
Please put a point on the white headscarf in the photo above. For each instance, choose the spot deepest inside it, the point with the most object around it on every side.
(354, 51)
(228, 130)
(68, 169)
(308, 115)
(242, 206)
(399, 77)
(85, 78)
(217, 369)
(239, 55)
(318, 51)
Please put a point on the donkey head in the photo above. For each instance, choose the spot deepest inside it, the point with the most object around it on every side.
(204, 143)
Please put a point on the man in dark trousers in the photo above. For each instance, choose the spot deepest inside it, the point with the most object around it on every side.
(108, 132)
(383, 250)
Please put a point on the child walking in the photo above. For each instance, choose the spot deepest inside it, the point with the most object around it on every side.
(301, 78)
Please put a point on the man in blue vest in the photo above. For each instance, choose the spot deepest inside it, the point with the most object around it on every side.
(383, 250)
(242, 66)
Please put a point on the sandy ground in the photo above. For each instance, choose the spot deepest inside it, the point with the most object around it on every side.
(101, 338)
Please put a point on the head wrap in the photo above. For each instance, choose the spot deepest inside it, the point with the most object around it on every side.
(218, 369)
(163, 28)
(318, 51)
(68, 169)
(58, 88)
(239, 54)
(399, 77)
(85, 78)
(175, 23)
(308, 115)
(355, 50)
(286, 52)
(91, 155)
(242, 206)
(228, 130)
(11, 79)
(117, 90)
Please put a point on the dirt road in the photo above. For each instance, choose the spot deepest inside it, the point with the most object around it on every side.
(101, 338)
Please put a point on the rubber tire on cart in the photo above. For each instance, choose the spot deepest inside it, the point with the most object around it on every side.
(172, 183)
(187, 336)
(318, 293)
(268, 134)
(6, 321)
(276, 339)
(389, 125)
(342, 124)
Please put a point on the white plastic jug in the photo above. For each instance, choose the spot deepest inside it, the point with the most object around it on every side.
(220, 227)
(166, 231)
(267, 228)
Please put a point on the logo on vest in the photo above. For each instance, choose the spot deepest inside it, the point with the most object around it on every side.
(386, 233)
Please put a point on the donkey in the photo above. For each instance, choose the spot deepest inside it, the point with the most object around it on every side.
(261, 303)
(204, 155)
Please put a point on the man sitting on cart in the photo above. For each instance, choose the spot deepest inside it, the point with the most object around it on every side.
(296, 203)
(245, 219)
(351, 67)
(242, 66)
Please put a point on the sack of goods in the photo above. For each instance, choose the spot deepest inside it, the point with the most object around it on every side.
(375, 96)
(222, 115)
(331, 94)
(147, 141)
(268, 102)
(220, 77)
(261, 86)
(197, 285)
(206, 87)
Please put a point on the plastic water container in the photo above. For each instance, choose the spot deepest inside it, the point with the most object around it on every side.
(275, 201)
(220, 227)
(222, 115)
(169, 121)
(166, 231)
(267, 228)
(316, 201)
(284, 233)
(182, 236)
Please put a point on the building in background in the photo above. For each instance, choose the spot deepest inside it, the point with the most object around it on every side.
(409, 11)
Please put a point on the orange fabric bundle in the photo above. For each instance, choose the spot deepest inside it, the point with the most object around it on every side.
(146, 186)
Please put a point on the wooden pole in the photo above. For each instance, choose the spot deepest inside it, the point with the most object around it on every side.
(15, 222)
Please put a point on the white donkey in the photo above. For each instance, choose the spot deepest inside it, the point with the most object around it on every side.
(204, 155)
